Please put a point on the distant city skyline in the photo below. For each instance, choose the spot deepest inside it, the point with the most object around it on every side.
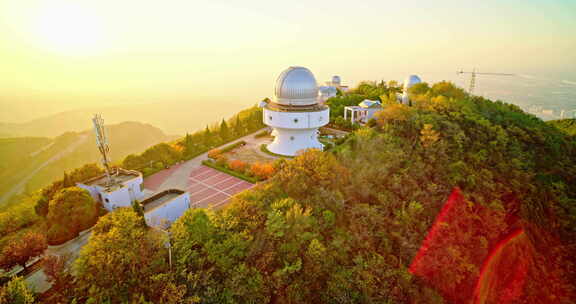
(61, 55)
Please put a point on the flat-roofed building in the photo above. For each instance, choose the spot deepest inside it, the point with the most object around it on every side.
(124, 188)
(163, 208)
(363, 112)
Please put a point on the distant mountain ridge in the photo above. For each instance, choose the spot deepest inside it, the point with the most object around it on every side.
(172, 118)
(125, 138)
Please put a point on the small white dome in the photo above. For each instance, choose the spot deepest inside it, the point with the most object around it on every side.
(410, 81)
(336, 80)
(296, 86)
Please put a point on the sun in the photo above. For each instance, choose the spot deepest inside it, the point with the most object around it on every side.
(70, 28)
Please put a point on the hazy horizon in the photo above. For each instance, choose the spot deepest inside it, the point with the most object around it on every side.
(64, 55)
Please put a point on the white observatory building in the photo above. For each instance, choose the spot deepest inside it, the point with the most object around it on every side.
(408, 83)
(295, 113)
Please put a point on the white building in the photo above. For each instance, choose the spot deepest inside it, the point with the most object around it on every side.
(331, 89)
(408, 83)
(295, 114)
(163, 208)
(326, 92)
(363, 112)
(126, 187)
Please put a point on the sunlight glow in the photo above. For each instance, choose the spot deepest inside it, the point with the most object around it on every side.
(70, 29)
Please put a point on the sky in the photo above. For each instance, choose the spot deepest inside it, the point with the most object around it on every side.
(58, 55)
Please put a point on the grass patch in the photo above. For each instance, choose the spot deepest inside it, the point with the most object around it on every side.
(262, 133)
(264, 149)
(233, 146)
(213, 165)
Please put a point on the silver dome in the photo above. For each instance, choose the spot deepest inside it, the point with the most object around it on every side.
(336, 80)
(410, 81)
(296, 86)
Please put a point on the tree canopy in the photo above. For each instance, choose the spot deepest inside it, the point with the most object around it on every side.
(71, 211)
(122, 261)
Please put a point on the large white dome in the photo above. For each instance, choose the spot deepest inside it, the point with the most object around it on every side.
(296, 86)
(410, 81)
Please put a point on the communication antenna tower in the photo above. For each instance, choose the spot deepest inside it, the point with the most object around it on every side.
(473, 77)
(102, 143)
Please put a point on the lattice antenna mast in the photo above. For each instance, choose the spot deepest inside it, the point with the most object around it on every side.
(102, 143)
(473, 77)
(472, 81)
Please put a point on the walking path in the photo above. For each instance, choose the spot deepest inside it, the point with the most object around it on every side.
(178, 178)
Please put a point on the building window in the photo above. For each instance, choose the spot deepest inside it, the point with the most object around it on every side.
(295, 120)
(291, 137)
(106, 200)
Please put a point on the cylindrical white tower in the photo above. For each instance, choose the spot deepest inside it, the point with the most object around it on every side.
(408, 83)
(295, 114)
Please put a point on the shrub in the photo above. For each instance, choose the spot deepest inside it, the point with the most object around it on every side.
(214, 153)
(233, 146)
(237, 165)
(222, 161)
(262, 170)
(261, 134)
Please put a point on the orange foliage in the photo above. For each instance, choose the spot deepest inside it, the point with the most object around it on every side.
(262, 170)
(214, 153)
(237, 165)
(221, 160)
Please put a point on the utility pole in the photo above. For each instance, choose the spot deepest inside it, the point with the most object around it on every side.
(473, 74)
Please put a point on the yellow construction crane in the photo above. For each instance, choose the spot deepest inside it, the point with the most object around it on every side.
(473, 77)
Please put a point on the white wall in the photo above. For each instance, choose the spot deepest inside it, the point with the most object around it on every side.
(295, 131)
(120, 197)
(116, 199)
(169, 211)
(296, 120)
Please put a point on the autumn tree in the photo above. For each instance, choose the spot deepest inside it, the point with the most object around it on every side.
(16, 292)
(120, 259)
(21, 250)
(71, 211)
(77, 175)
(311, 171)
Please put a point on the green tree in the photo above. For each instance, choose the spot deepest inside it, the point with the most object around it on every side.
(238, 127)
(16, 292)
(133, 161)
(21, 250)
(71, 211)
(120, 260)
(139, 210)
(224, 131)
(164, 153)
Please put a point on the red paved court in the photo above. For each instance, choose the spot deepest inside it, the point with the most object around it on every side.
(209, 187)
(154, 181)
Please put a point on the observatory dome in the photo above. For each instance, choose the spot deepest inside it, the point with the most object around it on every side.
(336, 80)
(410, 81)
(296, 86)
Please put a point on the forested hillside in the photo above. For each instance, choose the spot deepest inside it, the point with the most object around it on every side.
(125, 138)
(455, 199)
(566, 125)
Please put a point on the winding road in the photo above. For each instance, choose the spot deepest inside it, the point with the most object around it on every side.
(19, 187)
